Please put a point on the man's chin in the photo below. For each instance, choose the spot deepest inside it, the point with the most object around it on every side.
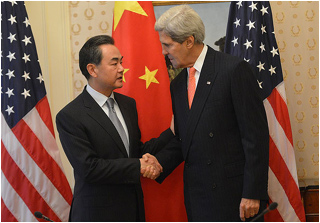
(119, 84)
(176, 66)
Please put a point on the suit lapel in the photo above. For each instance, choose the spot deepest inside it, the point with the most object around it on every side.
(206, 80)
(182, 94)
(97, 114)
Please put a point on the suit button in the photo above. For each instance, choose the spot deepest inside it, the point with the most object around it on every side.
(209, 162)
(211, 135)
(214, 186)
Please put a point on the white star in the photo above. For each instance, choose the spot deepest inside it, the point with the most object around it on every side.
(26, 21)
(247, 60)
(12, 37)
(9, 92)
(263, 29)
(26, 40)
(274, 51)
(13, 3)
(260, 66)
(253, 6)
(239, 4)
(235, 41)
(11, 56)
(10, 74)
(272, 70)
(26, 57)
(262, 47)
(26, 76)
(237, 22)
(248, 44)
(12, 19)
(260, 84)
(9, 109)
(40, 78)
(264, 10)
(251, 25)
(25, 93)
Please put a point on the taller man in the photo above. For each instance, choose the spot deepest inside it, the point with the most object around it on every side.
(220, 124)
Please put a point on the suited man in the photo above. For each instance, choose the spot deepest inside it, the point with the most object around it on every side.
(222, 132)
(107, 174)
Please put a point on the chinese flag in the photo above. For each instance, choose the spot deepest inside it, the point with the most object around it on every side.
(146, 80)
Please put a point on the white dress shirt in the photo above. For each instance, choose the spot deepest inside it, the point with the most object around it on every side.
(101, 100)
(199, 63)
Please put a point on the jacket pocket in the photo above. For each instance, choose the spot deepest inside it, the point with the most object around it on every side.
(234, 169)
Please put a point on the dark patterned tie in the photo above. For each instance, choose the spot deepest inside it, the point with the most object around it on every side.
(116, 122)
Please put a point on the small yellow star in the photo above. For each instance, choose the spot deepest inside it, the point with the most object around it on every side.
(125, 71)
(149, 77)
(120, 6)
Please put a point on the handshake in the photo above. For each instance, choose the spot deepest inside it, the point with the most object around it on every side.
(150, 167)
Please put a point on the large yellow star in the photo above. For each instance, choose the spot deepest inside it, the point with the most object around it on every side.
(149, 77)
(120, 6)
(125, 71)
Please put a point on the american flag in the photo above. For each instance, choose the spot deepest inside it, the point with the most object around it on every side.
(250, 35)
(32, 177)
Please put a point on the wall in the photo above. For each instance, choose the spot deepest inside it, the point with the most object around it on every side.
(51, 29)
(297, 32)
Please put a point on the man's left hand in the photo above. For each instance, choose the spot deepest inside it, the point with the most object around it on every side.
(248, 208)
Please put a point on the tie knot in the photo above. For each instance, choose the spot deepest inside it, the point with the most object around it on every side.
(192, 71)
(110, 103)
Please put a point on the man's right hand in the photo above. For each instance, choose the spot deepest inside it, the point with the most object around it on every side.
(150, 167)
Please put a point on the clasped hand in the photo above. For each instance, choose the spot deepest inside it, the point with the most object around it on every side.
(150, 167)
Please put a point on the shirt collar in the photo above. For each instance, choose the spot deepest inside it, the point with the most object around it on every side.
(97, 96)
(199, 62)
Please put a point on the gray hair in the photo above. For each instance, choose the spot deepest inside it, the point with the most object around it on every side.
(180, 22)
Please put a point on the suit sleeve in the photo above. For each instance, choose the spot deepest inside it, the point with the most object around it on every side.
(154, 145)
(253, 125)
(87, 164)
(170, 156)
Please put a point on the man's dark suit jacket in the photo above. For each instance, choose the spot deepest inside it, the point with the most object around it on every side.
(107, 181)
(223, 139)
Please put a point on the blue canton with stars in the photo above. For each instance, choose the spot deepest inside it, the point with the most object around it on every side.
(22, 84)
(250, 35)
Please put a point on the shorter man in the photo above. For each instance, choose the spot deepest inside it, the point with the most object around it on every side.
(100, 135)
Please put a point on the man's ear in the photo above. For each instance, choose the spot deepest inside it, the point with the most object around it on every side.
(92, 69)
(190, 42)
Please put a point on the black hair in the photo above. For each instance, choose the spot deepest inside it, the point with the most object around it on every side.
(91, 52)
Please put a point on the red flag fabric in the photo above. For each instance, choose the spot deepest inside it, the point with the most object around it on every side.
(250, 35)
(32, 177)
(146, 80)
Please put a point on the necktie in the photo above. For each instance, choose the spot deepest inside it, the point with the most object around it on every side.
(191, 85)
(116, 122)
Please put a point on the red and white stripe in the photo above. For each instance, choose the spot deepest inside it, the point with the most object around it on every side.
(283, 181)
(32, 177)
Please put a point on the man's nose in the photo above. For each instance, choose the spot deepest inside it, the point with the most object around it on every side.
(121, 69)
(164, 52)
